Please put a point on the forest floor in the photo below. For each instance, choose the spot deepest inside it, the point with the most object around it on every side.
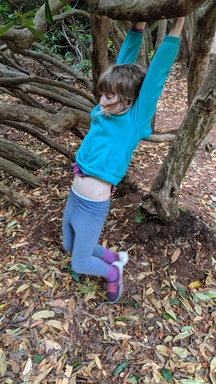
(58, 328)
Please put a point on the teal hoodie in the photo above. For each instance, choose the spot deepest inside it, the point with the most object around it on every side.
(107, 149)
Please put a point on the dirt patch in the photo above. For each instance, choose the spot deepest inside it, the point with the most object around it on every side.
(186, 247)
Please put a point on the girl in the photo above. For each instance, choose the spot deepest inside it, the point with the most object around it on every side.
(120, 120)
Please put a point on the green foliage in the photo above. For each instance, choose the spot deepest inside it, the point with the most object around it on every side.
(48, 13)
(84, 66)
(151, 54)
(19, 19)
(140, 216)
(76, 48)
(5, 8)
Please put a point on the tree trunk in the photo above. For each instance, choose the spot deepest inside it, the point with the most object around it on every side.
(162, 200)
(161, 32)
(203, 35)
(100, 33)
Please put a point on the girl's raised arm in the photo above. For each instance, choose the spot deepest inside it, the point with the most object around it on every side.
(177, 26)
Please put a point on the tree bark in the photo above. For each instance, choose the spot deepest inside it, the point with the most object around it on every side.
(162, 199)
(146, 10)
(203, 35)
(44, 138)
(52, 123)
(20, 155)
(100, 33)
(14, 197)
(161, 32)
(20, 173)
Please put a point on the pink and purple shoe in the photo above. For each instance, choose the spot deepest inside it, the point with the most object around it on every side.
(115, 288)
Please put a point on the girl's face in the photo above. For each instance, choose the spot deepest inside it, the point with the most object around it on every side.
(109, 103)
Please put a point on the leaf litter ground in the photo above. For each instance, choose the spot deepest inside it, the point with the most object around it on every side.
(58, 329)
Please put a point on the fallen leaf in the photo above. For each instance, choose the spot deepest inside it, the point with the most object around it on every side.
(44, 314)
(118, 336)
(3, 364)
(175, 255)
(51, 344)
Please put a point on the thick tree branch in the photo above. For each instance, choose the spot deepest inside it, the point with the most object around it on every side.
(43, 138)
(20, 173)
(20, 155)
(58, 123)
(14, 197)
(10, 78)
(146, 10)
(59, 64)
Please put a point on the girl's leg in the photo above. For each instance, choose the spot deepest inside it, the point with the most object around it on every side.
(87, 222)
(68, 238)
(105, 254)
(82, 225)
(67, 229)
(109, 256)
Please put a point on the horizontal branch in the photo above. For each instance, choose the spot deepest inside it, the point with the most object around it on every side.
(20, 173)
(146, 10)
(14, 197)
(161, 138)
(53, 123)
(10, 78)
(42, 56)
(43, 138)
(20, 155)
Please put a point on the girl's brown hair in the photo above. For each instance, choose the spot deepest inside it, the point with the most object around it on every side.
(123, 80)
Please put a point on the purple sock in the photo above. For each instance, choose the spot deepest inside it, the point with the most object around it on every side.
(112, 274)
(109, 256)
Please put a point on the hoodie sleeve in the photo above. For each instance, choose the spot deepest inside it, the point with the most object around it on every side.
(130, 48)
(152, 87)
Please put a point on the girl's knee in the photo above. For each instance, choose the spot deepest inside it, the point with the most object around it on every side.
(79, 267)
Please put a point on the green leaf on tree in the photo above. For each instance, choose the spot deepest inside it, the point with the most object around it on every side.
(6, 28)
(36, 33)
(48, 13)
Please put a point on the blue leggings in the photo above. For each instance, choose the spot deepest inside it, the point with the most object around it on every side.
(83, 222)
